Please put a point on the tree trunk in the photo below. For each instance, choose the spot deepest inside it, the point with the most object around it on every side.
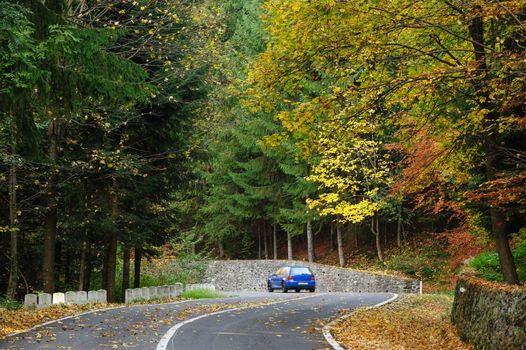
(105, 267)
(50, 234)
(289, 246)
(84, 248)
(499, 225)
(67, 266)
(110, 268)
(12, 283)
(355, 235)
(500, 232)
(375, 229)
(125, 269)
(82, 265)
(221, 250)
(50, 222)
(386, 235)
(111, 251)
(332, 237)
(399, 226)
(59, 274)
(259, 243)
(340, 245)
(89, 269)
(137, 268)
(265, 245)
(275, 241)
(310, 244)
(498, 221)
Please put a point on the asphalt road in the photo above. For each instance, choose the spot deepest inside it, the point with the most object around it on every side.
(266, 321)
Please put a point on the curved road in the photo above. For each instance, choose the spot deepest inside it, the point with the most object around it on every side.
(260, 321)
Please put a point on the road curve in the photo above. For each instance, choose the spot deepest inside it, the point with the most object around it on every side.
(291, 324)
(294, 324)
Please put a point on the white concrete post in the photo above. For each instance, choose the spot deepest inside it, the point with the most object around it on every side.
(82, 297)
(102, 296)
(93, 297)
(30, 301)
(44, 300)
(71, 297)
(58, 298)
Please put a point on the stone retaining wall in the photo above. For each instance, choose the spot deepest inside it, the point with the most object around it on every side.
(251, 275)
(490, 316)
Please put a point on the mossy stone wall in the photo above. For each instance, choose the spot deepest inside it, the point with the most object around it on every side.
(490, 316)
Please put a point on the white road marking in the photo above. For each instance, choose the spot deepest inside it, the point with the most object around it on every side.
(172, 332)
(59, 320)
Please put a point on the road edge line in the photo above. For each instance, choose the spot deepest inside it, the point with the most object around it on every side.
(172, 332)
(327, 328)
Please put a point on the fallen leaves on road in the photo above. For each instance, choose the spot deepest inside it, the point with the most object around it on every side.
(411, 322)
(18, 320)
(196, 310)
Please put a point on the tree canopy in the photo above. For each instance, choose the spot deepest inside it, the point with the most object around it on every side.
(243, 128)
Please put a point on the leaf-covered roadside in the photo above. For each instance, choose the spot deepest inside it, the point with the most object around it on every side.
(410, 322)
(18, 320)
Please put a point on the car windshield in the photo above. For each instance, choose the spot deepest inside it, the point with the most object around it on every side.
(300, 271)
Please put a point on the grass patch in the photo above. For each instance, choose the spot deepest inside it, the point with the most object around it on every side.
(411, 322)
(201, 294)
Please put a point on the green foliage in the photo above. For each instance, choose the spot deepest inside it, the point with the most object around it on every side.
(247, 186)
(487, 264)
(18, 50)
(170, 272)
(429, 263)
(10, 304)
(99, 72)
(201, 294)
(110, 92)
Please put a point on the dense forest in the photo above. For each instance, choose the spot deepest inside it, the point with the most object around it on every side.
(246, 128)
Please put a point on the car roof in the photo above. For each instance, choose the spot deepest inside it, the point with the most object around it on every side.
(293, 266)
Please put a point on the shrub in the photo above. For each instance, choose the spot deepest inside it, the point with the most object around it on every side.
(10, 304)
(164, 271)
(426, 264)
(487, 264)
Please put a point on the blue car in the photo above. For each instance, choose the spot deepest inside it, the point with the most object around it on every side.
(292, 278)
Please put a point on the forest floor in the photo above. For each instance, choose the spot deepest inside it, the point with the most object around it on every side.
(410, 322)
